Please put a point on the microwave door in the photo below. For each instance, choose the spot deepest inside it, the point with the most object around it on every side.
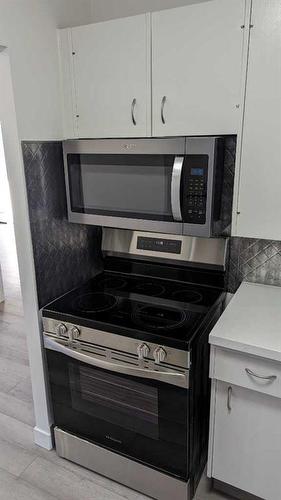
(140, 192)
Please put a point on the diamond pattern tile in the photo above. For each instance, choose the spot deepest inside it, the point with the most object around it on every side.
(65, 254)
(253, 260)
(228, 182)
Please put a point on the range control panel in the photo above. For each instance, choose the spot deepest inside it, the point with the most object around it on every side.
(159, 245)
(194, 189)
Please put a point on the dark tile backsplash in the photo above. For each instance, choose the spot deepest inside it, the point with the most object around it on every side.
(228, 182)
(65, 254)
(254, 260)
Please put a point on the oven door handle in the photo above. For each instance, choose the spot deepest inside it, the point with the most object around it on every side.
(173, 378)
(176, 188)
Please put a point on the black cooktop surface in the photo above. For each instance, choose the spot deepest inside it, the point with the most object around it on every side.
(138, 306)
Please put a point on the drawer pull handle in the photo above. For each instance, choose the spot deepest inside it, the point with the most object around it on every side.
(229, 395)
(133, 108)
(269, 377)
(163, 119)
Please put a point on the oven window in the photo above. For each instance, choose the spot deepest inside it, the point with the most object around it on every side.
(143, 419)
(136, 186)
(126, 403)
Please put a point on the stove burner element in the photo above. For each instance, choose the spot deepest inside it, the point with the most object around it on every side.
(186, 295)
(95, 302)
(149, 288)
(157, 317)
(114, 283)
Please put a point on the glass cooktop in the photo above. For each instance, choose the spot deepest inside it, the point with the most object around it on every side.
(138, 306)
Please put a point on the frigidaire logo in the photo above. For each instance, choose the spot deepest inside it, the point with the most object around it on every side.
(113, 439)
(129, 146)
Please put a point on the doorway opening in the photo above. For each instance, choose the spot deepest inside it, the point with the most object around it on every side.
(10, 290)
(5, 198)
(15, 373)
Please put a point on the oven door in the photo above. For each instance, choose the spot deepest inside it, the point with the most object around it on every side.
(122, 409)
(137, 188)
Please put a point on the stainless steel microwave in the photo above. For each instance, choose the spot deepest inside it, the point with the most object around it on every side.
(170, 185)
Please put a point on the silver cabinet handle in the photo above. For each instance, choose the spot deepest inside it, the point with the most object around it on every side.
(173, 378)
(176, 188)
(229, 396)
(133, 107)
(268, 377)
(162, 109)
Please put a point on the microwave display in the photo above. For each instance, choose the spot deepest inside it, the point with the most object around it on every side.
(197, 171)
(195, 191)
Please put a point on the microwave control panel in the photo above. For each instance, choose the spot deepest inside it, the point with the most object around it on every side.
(194, 189)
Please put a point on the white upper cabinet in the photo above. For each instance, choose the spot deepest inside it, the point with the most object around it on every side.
(258, 183)
(196, 79)
(111, 71)
(196, 68)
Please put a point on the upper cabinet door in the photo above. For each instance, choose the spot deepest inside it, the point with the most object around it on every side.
(196, 68)
(258, 183)
(112, 78)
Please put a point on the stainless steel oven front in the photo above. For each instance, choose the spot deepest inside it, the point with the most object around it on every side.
(113, 400)
(170, 185)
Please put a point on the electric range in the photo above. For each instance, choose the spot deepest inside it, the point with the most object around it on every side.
(128, 358)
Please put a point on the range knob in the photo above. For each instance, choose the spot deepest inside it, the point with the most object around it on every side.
(143, 351)
(159, 355)
(74, 333)
(61, 330)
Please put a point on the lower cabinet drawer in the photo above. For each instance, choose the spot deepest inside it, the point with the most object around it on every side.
(248, 371)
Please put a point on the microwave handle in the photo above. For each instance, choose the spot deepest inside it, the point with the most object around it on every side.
(176, 188)
(173, 378)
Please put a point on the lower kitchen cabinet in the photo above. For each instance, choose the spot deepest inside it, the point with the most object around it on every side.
(246, 440)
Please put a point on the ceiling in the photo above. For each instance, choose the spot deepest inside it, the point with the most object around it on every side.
(76, 12)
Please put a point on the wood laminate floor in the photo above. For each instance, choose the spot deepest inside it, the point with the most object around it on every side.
(28, 472)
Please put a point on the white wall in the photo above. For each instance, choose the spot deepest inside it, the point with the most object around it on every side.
(29, 30)
(24, 249)
(30, 109)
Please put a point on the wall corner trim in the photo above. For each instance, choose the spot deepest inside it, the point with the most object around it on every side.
(43, 438)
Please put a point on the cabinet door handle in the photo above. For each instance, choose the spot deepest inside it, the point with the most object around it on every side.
(229, 396)
(133, 107)
(268, 377)
(162, 109)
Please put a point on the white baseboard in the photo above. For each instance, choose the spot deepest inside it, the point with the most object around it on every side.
(43, 438)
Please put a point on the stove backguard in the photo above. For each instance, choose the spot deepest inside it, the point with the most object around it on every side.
(209, 253)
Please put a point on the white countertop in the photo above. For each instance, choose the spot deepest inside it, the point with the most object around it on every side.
(251, 322)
